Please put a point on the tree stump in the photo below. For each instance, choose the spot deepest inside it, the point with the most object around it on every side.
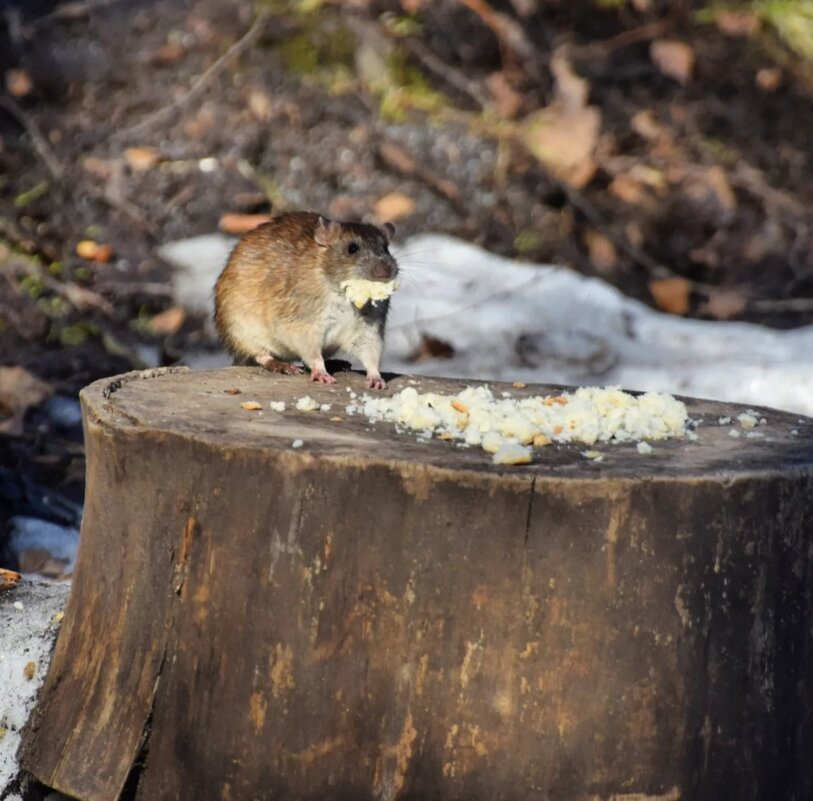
(373, 617)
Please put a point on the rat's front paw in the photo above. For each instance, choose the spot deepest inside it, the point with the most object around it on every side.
(322, 377)
(376, 382)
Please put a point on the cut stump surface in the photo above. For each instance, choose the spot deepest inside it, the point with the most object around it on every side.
(368, 616)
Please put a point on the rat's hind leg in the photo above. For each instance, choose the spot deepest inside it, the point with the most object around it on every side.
(273, 365)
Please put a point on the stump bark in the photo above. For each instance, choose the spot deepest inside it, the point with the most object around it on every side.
(373, 617)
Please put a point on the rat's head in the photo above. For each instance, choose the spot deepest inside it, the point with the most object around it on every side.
(356, 250)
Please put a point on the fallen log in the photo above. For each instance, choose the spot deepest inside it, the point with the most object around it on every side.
(370, 616)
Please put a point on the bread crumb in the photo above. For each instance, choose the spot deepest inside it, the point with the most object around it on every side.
(359, 291)
(297, 443)
(251, 406)
(724, 421)
(644, 448)
(748, 420)
(733, 432)
(277, 406)
(307, 404)
(511, 453)
(325, 407)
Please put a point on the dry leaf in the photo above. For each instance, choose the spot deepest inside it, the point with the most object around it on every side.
(708, 189)
(93, 251)
(723, 304)
(646, 126)
(141, 159)
(602, 252)
(563, 136)
(506, 98)
(102, 168)
(769, 79)
(169, 321)
(19, 83)
(259, 103)
(736, 23)
(671, 294)
(251, 406)
(673, 58)
(168, 54)
(239, 224)
(393, 207)
(19, 391)
(626, 188)
(9, 579)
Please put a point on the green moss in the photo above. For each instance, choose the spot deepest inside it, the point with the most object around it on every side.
(94, 231)
(53, 306)
(30, 195)
(527, 241)
(33, 286)
(76, 334)
(404, 88)
(320, 46)
(403, 26)
(792, 20)
(56, 269)
(82, 274)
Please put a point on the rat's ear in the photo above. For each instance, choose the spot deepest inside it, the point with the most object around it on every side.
(327, 232)
(389, 231)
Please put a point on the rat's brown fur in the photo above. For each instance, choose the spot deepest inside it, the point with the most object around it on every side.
(279, 296)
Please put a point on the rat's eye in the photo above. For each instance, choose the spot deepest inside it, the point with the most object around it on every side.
(352, 248)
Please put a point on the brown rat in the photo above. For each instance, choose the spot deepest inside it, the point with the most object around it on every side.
(279, 296)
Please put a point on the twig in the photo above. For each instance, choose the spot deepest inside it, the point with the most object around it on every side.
(510, 35)
(39, 142)
(624, 39)
(446, 72)
(245, 41)
(135, 288)
(76, 10)
(782, 305)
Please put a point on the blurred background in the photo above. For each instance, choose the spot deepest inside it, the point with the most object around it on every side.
(661, 145)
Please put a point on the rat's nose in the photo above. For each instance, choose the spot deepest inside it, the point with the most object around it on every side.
(385, 270)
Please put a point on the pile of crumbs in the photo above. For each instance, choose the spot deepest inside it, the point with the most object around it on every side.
(360, 291)
(509, 428)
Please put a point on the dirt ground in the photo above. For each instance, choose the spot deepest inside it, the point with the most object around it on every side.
(666, 150)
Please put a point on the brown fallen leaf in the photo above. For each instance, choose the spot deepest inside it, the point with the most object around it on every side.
(736, 23)
(671, 294)
(239, 224)
(19, 391)
(769, 79)
(601, 251)
(9, 579)
(674, 59)
(563, 136)
(393, 207)
(19, 83)
(251, 406)
(142, 159)
(628, 189)
(168, 54)
(168, 321)
(507, 100)
(723, 304)
(93, 251)
(259, 103)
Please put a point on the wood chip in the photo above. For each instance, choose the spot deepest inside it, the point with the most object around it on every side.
(251, 406)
